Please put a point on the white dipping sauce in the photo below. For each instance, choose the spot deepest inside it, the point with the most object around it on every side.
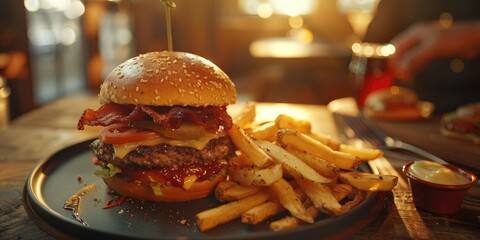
(436, 173)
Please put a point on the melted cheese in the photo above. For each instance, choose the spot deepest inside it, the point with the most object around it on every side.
(122, 150)
(189, 181)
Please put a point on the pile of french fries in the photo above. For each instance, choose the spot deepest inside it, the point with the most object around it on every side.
(281, 166)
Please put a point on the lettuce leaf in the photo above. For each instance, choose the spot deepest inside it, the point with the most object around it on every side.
(110, 171)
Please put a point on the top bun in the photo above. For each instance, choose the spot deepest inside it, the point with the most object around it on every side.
(382, 99)
(167, 79)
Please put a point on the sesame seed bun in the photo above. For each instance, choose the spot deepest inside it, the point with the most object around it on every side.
(396, 103)
(167, 79)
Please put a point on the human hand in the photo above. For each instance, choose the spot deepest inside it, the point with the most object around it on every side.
(426, 41)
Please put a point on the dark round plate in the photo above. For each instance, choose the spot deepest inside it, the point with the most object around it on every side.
(55, 180)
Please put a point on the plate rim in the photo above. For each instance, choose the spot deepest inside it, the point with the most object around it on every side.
(36, 209)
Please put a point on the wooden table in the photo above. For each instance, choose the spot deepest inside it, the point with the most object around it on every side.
(36, 135)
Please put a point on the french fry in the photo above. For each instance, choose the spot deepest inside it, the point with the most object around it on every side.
(340, 190)
(289, 222)
(262, 212)
(253, 176)
(240, 161)
(286, 148)
(321, 197)
(245, 144)
(365, 154)
(213, 217)
(295, 166)
(323, 167)
(265, 131)
(245, 118)
(228, 191)
(368, 181)
(222, 187)
(287, 197)
(266, 210)
(287, 122)
(301, 141)
(326, 139)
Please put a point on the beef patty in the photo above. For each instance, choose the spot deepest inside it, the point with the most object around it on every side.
(165, 155)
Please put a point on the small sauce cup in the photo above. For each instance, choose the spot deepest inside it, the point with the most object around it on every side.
(442, 198)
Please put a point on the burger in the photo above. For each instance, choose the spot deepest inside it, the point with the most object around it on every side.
(163, 128)
(462, 124)
(396, 103)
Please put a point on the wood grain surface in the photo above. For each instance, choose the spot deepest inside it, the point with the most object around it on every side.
(36, 135)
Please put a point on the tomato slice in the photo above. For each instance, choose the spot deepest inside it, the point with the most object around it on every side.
(120, 133)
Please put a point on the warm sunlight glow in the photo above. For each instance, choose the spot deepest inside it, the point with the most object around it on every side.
(302, 35)
(373, 50)
(280, 48)
(295, 22)
(32, 5)
(71, 8)
(266, 8)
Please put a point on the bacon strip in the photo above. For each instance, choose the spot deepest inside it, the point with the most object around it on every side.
(168, 117)
(108, 114)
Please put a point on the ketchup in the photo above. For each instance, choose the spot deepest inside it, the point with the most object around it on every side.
(175, 176)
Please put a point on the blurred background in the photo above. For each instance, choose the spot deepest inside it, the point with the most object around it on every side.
(274, 50)
(287, 51)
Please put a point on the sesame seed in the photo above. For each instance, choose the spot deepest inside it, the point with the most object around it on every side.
(136, 100)
(156, 91)
(143, 80)
(157, 97)
(123, 88)
(136, 89)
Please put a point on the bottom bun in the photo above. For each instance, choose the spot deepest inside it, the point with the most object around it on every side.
(169, 193)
